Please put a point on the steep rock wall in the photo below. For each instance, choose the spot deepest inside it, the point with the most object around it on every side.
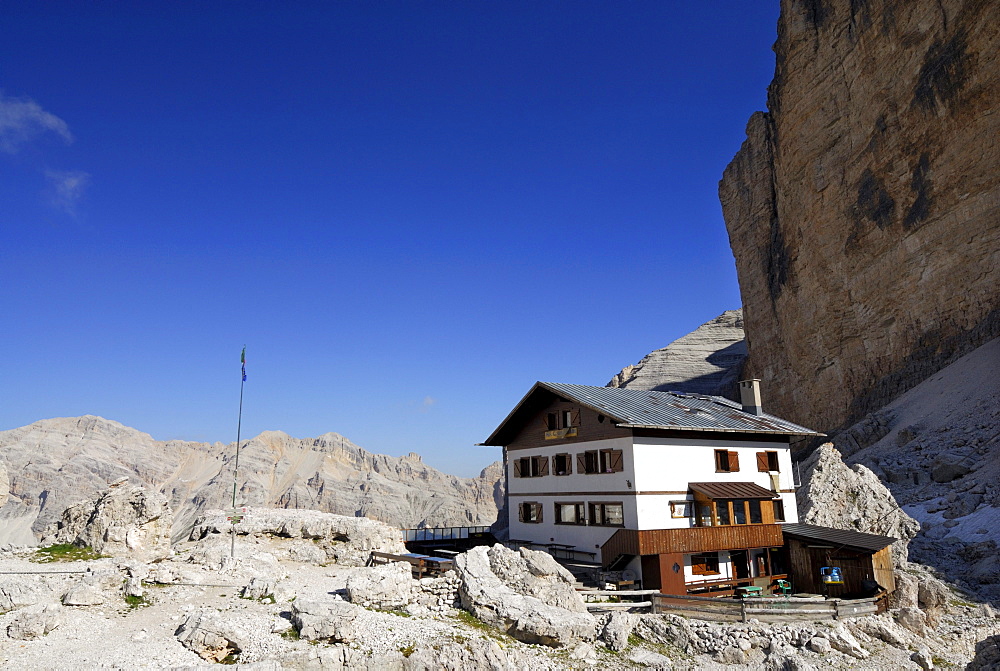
(863, 208)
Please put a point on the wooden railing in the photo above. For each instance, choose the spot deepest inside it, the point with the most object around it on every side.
(773, 609)
(433, 534)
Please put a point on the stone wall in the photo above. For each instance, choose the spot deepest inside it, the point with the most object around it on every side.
(863, 207)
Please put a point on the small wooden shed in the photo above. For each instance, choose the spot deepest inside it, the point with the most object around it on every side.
(864, 560)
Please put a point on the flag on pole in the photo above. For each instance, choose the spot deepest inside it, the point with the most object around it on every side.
(243, 363)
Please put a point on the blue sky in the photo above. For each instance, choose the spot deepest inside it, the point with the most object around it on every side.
(408, 212)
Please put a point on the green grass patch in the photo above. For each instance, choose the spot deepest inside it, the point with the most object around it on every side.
(400, 613)
(136, 601)
(65, 552)
(408, 650)
(468, 618)
(291, 634)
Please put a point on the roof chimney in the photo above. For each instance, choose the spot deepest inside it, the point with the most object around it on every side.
(750, 396)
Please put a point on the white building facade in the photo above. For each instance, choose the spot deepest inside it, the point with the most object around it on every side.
(683, 491)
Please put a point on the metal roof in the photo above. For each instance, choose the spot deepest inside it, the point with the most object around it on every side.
(837, 537)
(637, 408)
(732, 490)
(642, 409)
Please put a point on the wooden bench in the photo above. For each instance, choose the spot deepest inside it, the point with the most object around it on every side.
(422, 564)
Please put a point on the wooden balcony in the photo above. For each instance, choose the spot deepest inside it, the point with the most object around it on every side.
(696, 539)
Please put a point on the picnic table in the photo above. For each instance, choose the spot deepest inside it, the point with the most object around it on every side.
(422, 564)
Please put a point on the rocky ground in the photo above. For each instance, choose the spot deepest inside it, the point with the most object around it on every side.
(279, 589)
(936, 450)
(174, 623)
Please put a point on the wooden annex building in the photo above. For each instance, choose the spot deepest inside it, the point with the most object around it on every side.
(864, 560)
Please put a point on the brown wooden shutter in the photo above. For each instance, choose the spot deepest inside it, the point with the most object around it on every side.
(540, 509)
(734, 462)
(520, 512)
(762, 464)
(543, 465)
(617, 464)
(581, 462)
(698, 565)
(576, 418)
(517, 468)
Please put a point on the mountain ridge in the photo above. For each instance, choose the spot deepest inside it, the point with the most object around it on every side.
(54, 462)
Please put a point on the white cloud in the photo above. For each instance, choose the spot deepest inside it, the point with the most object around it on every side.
(22, 119)
(66, 188)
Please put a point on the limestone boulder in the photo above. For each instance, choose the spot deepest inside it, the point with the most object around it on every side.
(266, 589)
(331, 621)
(844, 641)
(948, 466)
(472, 655)
(386, 587)
(123, 521)
(312, 535)
(885, 629)
(987, 654)
(18, 591)
(83, 594)
(839, 496)
(35, 621)
(211, 636)
(913, 619)
(617, 629)
(499, 587)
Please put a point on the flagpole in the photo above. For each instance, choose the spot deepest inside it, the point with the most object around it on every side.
(239, 426)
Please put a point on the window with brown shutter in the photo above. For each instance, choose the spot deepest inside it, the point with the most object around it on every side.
(767, 461)
(562, 464)
(779, 510)
(617, 461)
(581, 463)
(705, 563)
(591, 462)
(531, 467)
(726, 461)
(529, 512)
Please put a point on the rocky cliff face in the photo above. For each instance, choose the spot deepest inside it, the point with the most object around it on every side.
(863, 207)
(709, 360)
(57, 462)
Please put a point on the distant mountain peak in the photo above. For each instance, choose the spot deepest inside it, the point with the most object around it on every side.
(709, 360)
